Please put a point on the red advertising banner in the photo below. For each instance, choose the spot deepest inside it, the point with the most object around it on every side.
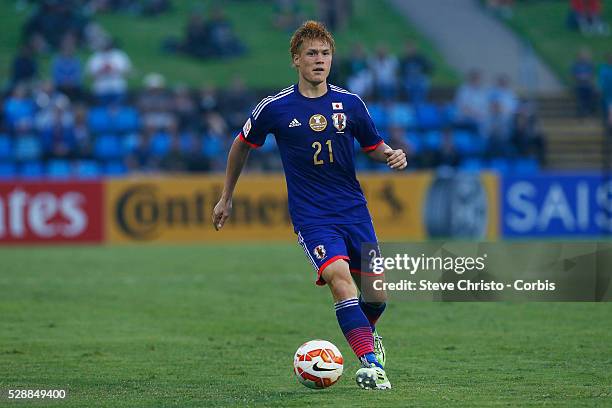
(51, 212)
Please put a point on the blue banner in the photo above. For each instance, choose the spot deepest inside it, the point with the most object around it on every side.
(556, 205)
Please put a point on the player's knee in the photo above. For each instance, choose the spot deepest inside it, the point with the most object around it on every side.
(338, 277)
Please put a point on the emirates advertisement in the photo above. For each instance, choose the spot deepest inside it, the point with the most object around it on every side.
(32, 212)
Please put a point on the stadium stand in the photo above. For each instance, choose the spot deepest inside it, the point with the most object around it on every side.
(45, 133)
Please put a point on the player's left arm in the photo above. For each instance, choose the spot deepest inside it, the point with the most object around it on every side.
(395, 158)
(370, 141)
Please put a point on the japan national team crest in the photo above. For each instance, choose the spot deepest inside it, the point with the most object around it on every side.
(317, 122)
(320, 252)
(339, 120)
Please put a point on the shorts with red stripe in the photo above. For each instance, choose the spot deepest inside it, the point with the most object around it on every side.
(324, 244)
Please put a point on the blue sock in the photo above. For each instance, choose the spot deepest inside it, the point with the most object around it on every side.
(355, 326)
(372, 311)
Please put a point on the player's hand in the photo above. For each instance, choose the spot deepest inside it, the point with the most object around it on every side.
(396, 159)
(221, 213)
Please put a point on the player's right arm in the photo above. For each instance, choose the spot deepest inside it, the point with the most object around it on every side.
(253, 135)
(238, 154)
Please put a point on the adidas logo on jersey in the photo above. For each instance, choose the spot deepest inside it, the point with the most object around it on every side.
(295, 123)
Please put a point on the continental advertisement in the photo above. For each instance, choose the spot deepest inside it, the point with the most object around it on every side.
(412, 206)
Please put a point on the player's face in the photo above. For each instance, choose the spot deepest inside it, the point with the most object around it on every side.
(314, 61)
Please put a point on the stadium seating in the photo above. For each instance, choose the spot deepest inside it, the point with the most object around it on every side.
(87, 169)
(31, 170)
(160, 144)
(107, 146)
(379, 115)
(525, 166)
(58, 169)
(28, 147)
(8, 170)
(468, 143)
(472, 165)
(428, 116)
(415, 141)
(401, 114)
(114, 168)
(500, 165)
(6, 147)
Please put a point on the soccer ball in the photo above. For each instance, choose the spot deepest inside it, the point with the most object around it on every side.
(318, 364)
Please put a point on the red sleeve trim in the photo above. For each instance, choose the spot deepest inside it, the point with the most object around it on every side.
(373, 147)
(253, 145)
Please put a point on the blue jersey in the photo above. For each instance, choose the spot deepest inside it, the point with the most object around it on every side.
(315, 140)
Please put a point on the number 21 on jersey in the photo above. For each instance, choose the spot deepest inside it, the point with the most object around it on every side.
(318, 147)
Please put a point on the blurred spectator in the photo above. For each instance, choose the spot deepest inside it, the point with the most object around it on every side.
(58, 135)
(24, 66)
(223, 40)
(96, 37)
(134, 7)
(505, 95)
(48, 100)
(497, 128)
(526, 136)
(586, 15)
(82, 135)
(605, 86)
(583, 74)
(155, 103)
(213, 147)
(447, 155)
(185, 107)
(208, 99)
(472, 101)
(174, 160)
(415, 71)
(109, 68)
(335, 14)
(384, 67)
(207, 39)
(66, 70)
(141, 157)
(51, 21)
(288, 15)
(356, 70)
(27, 142)
(236, 103)
(196, 42)
(19, 107)
(195, 160)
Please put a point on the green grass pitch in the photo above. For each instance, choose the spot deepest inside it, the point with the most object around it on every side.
(183, 326)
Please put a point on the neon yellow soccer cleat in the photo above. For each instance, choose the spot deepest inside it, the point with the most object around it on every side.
(372, 378)
(379, 349)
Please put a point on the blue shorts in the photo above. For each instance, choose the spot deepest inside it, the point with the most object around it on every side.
(324, 244)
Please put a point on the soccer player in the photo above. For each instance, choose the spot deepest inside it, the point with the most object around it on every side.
(314, 124)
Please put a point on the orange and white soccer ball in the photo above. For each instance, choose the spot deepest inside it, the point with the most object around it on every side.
(318, 364)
